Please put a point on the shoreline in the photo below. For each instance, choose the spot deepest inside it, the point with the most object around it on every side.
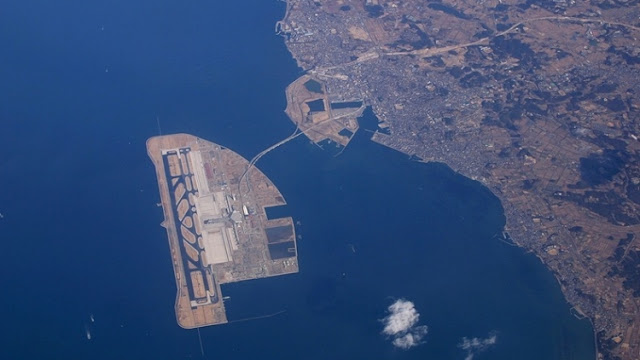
(526, 234)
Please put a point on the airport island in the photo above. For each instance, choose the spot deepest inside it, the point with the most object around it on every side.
(214, 205)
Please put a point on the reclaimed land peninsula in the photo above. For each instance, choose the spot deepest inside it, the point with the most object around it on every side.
(539, 100)
(214, 211)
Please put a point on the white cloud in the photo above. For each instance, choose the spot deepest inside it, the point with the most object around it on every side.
(401, 325)
(475, 345)
(410, 339)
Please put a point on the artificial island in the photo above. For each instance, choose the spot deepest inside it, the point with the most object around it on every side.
(214, 203)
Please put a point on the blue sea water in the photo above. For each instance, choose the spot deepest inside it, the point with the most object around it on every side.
(83, 83)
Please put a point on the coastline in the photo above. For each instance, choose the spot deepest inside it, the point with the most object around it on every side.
(520, 223)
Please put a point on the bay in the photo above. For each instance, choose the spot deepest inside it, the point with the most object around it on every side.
(86, 83)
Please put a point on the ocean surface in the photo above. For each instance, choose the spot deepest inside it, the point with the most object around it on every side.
(83, 83)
